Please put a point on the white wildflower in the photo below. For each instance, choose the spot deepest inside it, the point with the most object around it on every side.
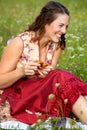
(65, 101)
(80, 48)
(70, 48)
(51, 96)
(38, 113)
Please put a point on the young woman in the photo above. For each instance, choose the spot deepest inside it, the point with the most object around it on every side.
(28, 77)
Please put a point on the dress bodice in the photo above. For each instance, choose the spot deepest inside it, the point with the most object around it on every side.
(31, 49)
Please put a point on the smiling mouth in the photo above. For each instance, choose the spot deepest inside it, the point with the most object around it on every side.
(58, 35)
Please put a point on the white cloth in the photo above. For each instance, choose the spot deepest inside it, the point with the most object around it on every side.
(14, 125)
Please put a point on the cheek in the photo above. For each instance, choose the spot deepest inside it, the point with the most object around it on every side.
(55, 28)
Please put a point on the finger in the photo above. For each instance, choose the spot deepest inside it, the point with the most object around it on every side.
(33, 64)
(29, 72)
(44, 72)
(49, 67)
(30, 67)
(47, 70)
(41, 74)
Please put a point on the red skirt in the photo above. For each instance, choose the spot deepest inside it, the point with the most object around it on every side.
(40, 98)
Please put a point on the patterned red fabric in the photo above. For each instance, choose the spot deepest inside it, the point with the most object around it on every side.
(29, 100)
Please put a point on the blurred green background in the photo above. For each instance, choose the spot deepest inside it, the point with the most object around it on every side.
(15, 16)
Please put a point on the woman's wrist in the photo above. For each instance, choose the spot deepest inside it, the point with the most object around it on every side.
(20, 72)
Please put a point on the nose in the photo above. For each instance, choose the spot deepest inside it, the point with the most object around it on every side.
(63, 30)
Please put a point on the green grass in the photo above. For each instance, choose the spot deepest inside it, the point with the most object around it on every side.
(16, 15)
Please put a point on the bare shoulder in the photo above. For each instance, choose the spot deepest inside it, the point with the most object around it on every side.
(15, 41)
(15, 46)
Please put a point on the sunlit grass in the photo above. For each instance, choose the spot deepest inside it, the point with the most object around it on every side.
(16, 15)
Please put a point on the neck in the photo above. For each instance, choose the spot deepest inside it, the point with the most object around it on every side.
(43, 41)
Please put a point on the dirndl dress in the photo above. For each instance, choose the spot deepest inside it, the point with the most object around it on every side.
(37, 98)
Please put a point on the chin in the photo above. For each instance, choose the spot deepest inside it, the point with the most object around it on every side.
(55, 39)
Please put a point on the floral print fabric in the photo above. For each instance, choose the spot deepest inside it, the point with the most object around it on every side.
(31, 48)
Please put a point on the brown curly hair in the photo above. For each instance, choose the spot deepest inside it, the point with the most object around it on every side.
(47, 15)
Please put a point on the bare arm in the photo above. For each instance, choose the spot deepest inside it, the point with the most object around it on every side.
(8, 71)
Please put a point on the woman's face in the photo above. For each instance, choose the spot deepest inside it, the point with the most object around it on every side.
(58, 27)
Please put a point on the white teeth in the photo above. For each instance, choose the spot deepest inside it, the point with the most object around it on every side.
(58, 35)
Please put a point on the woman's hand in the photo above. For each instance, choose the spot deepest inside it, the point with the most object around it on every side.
(43, 72)
(28, 69)
(40, 69)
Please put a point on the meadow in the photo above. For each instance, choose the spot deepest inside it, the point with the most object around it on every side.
(15, 16)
